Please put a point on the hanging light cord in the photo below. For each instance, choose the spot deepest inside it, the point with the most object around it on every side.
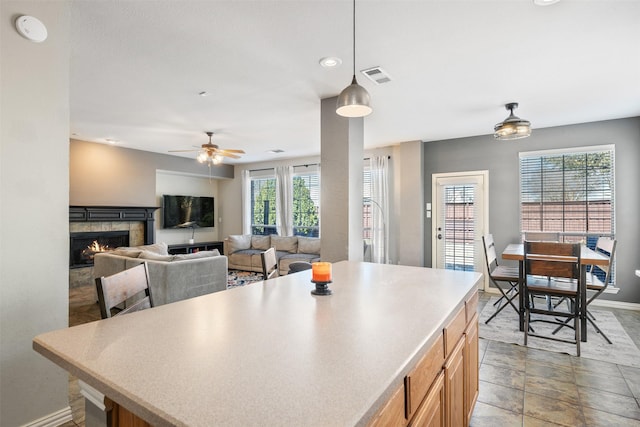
(354, 37)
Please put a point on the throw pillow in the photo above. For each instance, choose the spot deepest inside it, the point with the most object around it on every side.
(155, 257)
(160, 248)
(197, 255)
(308, 245)
(285, 244)
(238, 242)
(260, 242)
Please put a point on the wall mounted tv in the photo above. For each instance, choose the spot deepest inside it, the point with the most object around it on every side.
(187, 211)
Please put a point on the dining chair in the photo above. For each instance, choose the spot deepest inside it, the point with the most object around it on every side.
(269, 264)
(598, 278)
(552, 269)
(124, 292)
(504, 278)
(297, 266)
(541, 236)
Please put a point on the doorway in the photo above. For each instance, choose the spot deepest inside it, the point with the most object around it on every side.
(460, 219)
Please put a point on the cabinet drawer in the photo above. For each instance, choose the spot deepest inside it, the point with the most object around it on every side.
(392, 414)
(421, 377)
(453, 331)
(471, 306)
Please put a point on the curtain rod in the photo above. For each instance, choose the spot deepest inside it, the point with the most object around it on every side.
(295, 166)
(299, 166)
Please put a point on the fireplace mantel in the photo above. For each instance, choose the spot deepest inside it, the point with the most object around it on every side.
(117, 213)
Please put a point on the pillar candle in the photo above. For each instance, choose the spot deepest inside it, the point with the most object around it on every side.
(321, 271)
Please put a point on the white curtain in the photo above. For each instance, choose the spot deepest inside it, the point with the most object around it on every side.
(379, 200)
(246, 202)
(284, 200)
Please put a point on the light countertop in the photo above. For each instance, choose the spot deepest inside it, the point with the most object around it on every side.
(268, 353)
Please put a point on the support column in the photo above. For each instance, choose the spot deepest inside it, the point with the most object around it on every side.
(342, 149)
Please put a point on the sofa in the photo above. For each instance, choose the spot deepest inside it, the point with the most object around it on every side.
(171, 277)
(243, 250)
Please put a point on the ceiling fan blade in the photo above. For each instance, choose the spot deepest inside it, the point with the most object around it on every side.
(222, 153)
(232, 151)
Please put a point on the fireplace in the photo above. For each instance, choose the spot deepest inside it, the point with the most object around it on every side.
(84, 245)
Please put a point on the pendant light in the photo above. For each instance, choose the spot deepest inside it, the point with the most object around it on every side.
(513, 127)
(354, 100)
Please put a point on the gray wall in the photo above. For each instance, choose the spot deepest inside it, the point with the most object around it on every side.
(34, 191)
(500, 158)
(106, 175)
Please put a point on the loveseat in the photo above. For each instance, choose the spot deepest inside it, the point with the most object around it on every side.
(171, 277)
(243, 250)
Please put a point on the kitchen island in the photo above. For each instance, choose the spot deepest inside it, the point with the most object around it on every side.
(271, 353)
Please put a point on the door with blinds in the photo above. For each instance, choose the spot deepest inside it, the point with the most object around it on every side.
(459, 220)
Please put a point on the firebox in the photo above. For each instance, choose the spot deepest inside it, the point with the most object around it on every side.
(84, 245)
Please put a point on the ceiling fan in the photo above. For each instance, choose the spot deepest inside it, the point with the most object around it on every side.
(210, 153)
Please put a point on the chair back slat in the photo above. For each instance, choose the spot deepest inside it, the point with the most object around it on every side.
(552, 259)
(605, 246)
(541, 236)
(489, 250)
(116, 289)
(269, 264)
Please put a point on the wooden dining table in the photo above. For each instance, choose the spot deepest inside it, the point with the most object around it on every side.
(515, 252)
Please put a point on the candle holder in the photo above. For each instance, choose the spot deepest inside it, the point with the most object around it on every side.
(322, 288)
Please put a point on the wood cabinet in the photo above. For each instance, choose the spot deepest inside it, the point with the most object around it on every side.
(442, 389)
(431, 411)
(471, 366)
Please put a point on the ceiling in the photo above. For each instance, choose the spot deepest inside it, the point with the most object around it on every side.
(137, 68)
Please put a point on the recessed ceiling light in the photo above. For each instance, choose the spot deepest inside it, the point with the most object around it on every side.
(544, 2)
(275, 151)
(112, 141)
(330, 62)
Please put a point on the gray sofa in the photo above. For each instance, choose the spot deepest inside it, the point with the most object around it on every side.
(171, 277)
(243, 250)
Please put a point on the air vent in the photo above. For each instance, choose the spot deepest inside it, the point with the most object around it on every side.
(276, 151)
(376, 75)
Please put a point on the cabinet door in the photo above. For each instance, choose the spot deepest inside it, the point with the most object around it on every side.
(431, 411)
(392, 414)
(454, 383)
(471, 366)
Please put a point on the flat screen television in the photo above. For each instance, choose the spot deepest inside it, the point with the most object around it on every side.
(187, 211)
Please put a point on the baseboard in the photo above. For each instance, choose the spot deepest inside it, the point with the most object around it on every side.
(616, 304)
(53, 420)
(596, 303)
(92, 395)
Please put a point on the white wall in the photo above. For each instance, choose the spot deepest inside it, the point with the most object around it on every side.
(185, 185)
(34, 211)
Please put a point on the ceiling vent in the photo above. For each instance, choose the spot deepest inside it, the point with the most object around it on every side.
(376, 75)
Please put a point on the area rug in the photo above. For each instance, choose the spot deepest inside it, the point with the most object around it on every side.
(623, 351)
(241, 278)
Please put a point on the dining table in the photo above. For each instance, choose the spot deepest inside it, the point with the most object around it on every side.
(515, 252)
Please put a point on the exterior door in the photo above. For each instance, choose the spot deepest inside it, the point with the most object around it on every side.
(460, 203)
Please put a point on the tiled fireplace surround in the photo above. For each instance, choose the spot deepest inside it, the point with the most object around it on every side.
(138, 221)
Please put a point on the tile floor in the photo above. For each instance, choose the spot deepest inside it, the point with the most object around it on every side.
(518, 386)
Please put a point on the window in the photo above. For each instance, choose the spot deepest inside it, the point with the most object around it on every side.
(570, 192)
(263, 205)
(306, 202)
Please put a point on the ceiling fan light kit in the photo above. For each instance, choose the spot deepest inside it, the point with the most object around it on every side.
(354, 100)
(513, 127)
(211, 154)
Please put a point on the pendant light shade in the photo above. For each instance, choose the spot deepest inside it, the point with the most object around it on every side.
(354, 100)
(513, 127)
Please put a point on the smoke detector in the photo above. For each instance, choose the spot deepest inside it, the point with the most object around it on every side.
(376, 75)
